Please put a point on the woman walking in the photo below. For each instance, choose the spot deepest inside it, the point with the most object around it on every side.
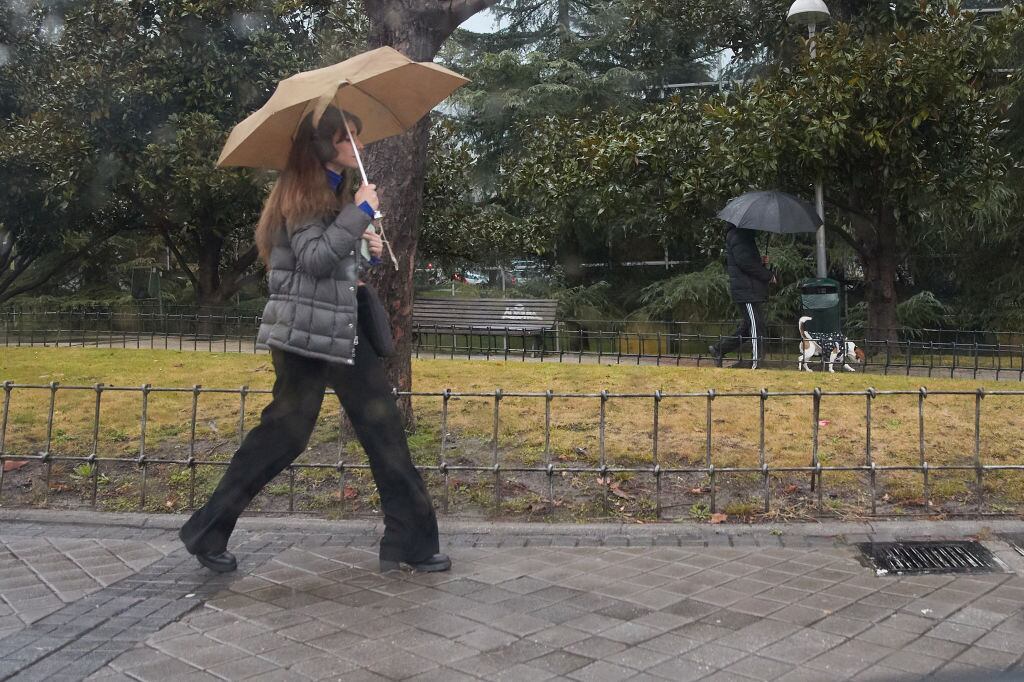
(310, 235)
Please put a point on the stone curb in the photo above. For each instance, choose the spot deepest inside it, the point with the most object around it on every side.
(851, 530)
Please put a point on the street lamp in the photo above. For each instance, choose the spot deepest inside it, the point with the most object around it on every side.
(813, 13)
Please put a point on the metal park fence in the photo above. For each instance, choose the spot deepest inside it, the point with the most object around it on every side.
(976, 354)
(650, 427)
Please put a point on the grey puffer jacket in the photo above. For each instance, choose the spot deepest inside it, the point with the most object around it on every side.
(313, 278)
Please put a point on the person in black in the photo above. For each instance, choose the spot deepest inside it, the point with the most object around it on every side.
(748, 284)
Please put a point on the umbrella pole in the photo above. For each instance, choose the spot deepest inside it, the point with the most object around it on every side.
(377, 215)
(355, 149)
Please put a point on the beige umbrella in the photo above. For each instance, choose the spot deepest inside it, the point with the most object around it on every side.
(386, 89)
(383, 87)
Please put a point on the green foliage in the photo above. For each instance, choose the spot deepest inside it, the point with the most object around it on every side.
(697, 296)
(923, 310)
(459, 223)
(896, 115)
(105, 136)
(587, 302)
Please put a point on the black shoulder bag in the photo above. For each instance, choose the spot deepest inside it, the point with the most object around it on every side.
(374, 321)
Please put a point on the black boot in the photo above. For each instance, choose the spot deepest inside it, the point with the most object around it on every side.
(435, 564)
(218, 562)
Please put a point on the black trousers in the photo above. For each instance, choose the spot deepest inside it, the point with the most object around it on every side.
(410, 525)
(751, 327)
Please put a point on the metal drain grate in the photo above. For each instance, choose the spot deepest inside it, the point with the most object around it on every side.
(929, 557)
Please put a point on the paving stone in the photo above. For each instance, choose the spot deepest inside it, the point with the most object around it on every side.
(759, 668)
(799, 615)
(602, 671)
(801, 646)
(446, 652)
(709, 605)
(730, 619)
(630, 633)
(880, 634)
(243, 668)
(486, 639)
(758, 635)
(908, 623)
(451, 675)
(681, 670)
(840, 625)
(558, 636)
(727, 676)
(715, 655)
(689, 608)
(638, 658)
(399, 665)
(956, 632)
(918, 664)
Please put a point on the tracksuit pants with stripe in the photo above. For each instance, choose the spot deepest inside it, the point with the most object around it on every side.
(751, 328)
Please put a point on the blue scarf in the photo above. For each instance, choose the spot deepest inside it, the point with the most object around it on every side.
(334, 179)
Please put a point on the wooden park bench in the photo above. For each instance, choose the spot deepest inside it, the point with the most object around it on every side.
(490, 318)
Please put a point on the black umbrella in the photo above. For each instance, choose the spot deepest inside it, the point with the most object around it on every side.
(776, 212)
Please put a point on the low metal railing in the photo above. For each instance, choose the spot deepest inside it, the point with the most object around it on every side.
(655, 467)
(910, 357)
(923, 352)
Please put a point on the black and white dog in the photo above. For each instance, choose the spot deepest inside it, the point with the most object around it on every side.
(810, 348)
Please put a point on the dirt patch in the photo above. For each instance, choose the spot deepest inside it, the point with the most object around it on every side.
(331, 479)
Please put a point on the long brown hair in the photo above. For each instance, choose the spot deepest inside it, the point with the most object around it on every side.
(301, 191)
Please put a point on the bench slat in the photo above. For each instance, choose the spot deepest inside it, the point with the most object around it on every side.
(475, 315)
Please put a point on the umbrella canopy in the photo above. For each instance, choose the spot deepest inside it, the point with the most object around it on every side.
(386, 89)
(776, 212)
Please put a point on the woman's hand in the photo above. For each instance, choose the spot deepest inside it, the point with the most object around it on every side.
(374, 242)
(368, 193)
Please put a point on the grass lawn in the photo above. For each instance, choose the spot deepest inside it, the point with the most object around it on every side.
(575, 438)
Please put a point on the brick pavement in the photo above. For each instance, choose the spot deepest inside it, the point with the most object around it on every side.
(114, 597)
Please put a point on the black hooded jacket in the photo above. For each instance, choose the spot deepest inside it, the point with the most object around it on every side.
(748, 277)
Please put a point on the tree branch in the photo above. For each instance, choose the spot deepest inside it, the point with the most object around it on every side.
(460, 10)
(42, 278)
(178, 256)
(843, 234)
(849, 210)
(851, 240)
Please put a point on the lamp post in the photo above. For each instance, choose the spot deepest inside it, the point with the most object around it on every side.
(813, 13)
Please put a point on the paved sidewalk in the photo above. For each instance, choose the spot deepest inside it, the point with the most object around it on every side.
(114, 597)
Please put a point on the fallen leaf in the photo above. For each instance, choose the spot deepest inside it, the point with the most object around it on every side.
(823, 422)
(10, 465)
(619, 492)
(60, 487)
(718, 518)
(792, 489)
(349, 494)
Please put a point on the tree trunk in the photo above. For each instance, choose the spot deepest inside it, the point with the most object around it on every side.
(397, 165)
(880, 281)
(209, 293)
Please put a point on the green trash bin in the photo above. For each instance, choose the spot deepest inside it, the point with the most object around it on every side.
(819, 300)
